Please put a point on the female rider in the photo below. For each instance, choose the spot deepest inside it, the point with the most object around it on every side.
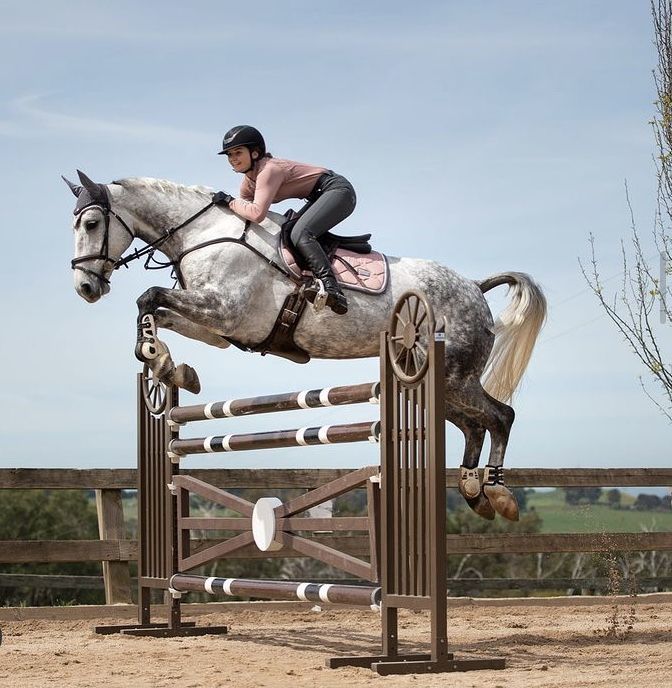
(270, 180)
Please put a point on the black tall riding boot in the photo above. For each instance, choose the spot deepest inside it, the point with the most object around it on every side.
(317, 261)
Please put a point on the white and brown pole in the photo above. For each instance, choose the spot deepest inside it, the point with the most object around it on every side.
(300, 437)
(312, 398)
(326, 593)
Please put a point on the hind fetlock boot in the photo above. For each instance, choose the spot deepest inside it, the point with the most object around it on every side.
(324, 285)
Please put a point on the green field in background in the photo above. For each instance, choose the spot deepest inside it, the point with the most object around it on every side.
(559, 517)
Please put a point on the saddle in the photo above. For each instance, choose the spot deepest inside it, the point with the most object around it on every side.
(355, 265)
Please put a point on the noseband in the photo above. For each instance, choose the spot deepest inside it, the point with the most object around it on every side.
(104, 254)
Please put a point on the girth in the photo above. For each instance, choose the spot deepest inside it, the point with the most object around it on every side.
(280, 340)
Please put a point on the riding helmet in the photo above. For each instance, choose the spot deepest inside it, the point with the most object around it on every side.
(243, 135)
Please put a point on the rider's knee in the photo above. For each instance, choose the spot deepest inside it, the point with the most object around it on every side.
(300, 234)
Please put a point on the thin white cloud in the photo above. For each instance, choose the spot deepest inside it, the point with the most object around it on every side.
(33, 119)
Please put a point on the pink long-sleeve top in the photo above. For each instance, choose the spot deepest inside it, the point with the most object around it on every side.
(273, 180)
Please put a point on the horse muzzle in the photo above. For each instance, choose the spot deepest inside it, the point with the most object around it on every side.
(89, 287)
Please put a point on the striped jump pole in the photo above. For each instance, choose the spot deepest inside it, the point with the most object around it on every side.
(368, 392)
(368, 596)
(300, 437)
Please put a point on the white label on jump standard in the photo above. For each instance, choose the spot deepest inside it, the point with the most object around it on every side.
(263, 524)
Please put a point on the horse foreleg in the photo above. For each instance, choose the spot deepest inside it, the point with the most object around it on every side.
(154, 304)
(169, 320)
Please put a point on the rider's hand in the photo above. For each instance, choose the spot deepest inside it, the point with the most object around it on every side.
(222, 198)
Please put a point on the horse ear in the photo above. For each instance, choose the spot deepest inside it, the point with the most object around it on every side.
(75, 188)
(88, 184)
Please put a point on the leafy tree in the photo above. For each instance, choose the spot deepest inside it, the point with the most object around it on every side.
(520, 493)
(582, 495)
(648, 502)
(644, 291)
(49, 515)
(614, 498)
(491, 565)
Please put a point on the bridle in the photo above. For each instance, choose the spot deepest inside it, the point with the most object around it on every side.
(104, 254)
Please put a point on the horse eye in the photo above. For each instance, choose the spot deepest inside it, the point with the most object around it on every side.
(90, 224)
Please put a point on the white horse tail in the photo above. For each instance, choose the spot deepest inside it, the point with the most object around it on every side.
(516, 330)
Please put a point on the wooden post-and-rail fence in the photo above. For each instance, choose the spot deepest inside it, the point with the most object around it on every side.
(115, 550)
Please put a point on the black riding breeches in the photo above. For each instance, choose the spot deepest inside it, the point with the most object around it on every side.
(334, 199)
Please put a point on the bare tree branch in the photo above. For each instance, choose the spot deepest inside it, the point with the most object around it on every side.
(645, 289)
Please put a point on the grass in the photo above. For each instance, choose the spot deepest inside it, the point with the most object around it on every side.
(559, 517)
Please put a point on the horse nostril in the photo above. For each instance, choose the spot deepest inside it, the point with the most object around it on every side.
(86, 289)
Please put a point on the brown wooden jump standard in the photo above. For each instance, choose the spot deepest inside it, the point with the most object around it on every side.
(407, 508)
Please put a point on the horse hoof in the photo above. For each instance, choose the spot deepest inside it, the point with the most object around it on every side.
(187, 378)
(503, 502)
(481, 506)
(469, 483)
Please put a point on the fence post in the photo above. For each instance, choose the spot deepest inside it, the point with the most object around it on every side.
(116, 574)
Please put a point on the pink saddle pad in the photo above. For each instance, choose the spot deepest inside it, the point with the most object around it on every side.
(367, 272)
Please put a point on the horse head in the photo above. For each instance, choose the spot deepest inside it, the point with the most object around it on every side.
(101, 237)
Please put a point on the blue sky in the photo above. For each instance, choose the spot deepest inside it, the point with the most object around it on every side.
(488, 135)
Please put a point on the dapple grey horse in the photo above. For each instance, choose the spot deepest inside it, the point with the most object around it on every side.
(231, 290)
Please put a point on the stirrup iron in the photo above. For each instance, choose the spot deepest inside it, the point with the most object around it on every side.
(321, 297)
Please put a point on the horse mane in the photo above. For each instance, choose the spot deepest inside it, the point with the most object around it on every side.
(178, 192)
(163, 186)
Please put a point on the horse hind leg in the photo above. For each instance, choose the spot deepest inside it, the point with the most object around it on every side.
(469, 483)
(501, 498)
(483, 412)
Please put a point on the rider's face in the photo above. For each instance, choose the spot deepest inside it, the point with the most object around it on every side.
(240, 158)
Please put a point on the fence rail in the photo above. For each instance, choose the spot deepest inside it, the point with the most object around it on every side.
(115, 552)
(275, 478)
